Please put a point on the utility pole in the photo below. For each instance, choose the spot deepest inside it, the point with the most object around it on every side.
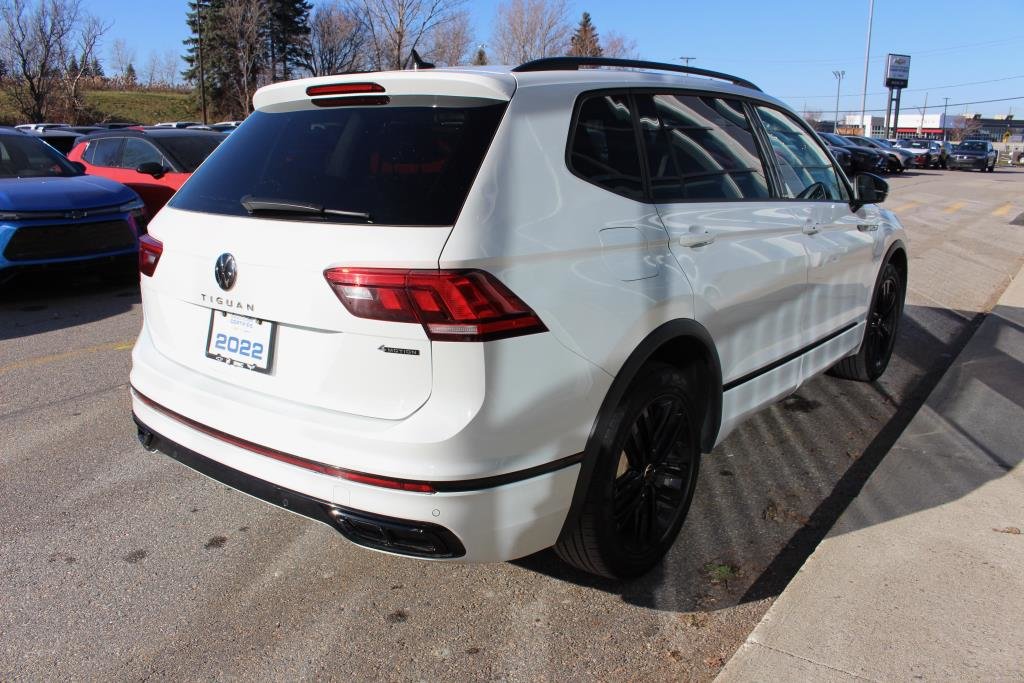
(839, 77)
(945, 104)
(686, 60)
(202, 70)
(867, 56)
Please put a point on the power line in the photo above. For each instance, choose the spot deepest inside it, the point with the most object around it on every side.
(957, 104)
(883, 92)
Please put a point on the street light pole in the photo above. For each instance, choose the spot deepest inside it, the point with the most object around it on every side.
(945, 104)
(839, 77)
(202, 69)
(867, 56)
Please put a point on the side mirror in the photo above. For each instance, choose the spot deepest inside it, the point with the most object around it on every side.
(78, 166)
(869, 189)
(152, 168)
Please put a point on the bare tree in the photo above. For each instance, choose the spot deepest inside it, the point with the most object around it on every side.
(336, 40)
(121, 56)
(242, 26)
(451, 42)
(84, 42)
(964, 127)
(151, 70)
(615, 44)
(30, 47)
(531, 29)
(397, 27)
(168, 68)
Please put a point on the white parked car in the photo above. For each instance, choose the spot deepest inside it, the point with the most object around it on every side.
(468, 314)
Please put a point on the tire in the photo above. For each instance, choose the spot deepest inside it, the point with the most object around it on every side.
(644, 477)
(992, 167)
(875, 351)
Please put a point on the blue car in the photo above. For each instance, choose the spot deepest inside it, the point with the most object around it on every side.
(51, 212)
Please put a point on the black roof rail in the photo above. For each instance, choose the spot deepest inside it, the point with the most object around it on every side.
(574, 63)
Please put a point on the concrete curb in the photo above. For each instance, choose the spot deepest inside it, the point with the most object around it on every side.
(920, 577)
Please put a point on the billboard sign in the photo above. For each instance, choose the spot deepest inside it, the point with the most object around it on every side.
(897, 71)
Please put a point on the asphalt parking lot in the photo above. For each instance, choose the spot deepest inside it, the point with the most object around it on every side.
(116, 563)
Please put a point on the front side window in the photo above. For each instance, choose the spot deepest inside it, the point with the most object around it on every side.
(700, 148)
(137, 152)
(191, 150)
(806, 170)
(603, 148)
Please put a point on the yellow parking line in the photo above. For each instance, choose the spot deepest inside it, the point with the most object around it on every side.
(954, 207)
(906, 207)
(1003, 210)
(54, 357)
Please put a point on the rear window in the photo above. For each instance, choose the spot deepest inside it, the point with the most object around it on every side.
(401, 165)
(190, 150)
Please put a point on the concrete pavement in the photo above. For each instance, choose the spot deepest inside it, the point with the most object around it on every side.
(923, 575)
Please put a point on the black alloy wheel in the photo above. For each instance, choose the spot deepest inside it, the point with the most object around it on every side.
(646, 456)
(872, 358)
(880, 336)
(653, 475)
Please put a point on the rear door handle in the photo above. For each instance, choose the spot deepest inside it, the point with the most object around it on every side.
(696, 238)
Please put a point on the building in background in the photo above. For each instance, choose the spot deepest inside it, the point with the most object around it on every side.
(999, 128)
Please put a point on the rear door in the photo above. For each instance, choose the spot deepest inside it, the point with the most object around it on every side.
(391, 179)
(741, 250)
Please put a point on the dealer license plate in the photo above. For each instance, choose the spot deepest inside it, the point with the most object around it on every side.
(240, 341)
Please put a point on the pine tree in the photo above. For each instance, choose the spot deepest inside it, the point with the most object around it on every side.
(96, 69)
(585, 41)
(73, 66)
(480, 58)
(286, 44)
(130, 77)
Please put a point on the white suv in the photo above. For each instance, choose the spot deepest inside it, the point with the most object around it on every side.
(469, 314)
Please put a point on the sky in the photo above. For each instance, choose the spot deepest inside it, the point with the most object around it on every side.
(788, 47)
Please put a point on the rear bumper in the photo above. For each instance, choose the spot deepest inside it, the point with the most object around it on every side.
(493, 523)
(417, 539)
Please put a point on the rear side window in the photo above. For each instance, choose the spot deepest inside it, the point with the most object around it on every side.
(700, 148)
(806, 170)
(402, 165)
(603, 149)
(104, 152)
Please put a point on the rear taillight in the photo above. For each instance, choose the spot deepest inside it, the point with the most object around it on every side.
(452, 305)
(150, 250)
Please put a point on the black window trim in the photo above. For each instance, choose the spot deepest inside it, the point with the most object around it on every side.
(761, 141)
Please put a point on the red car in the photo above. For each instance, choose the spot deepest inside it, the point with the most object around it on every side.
(154, 162)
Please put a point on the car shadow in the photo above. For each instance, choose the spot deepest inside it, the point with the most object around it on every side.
(775, 487)
(39, 301)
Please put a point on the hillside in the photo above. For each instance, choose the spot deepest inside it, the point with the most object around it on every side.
(129, 105)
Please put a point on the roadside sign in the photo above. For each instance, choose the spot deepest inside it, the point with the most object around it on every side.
(897, 71)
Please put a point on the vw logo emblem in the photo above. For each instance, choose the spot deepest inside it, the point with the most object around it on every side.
(225, 271)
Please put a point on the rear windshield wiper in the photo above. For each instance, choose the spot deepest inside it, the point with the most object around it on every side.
(265, 205)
